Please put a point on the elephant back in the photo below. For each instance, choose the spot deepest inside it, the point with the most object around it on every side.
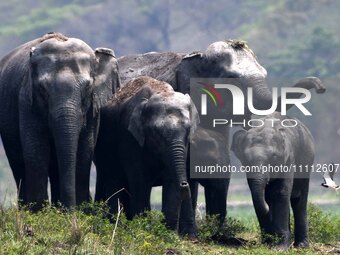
(160, 66)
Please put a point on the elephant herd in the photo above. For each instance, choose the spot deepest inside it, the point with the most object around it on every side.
(64, 105)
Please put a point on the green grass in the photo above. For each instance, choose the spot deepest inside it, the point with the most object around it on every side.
(89, 231)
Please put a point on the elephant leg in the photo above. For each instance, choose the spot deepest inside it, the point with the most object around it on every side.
(112, 187)
(36, 151)
(84, 160)
(54, 178)
(194, 195)
(140, 192)
(12, 145)
(299, 205)
(216, 198)
(281, 211)
(87, 141)
(187, 219)
(111, 184)
(269, 197)
(104, 162)
(171, 203)
(100, 194)
(121, 199)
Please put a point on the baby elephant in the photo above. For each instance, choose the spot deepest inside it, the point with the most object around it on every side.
(274, 145)
(143, 140)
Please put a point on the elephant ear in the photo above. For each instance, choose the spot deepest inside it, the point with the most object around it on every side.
(194, 118)
(189, 67)
(27, 89)
(106, 77)
(136, 120)
(195, 54)
(236, 145)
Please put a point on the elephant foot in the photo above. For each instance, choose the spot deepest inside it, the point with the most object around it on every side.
(187, 228)
(267, 238)
(281, 247)
(191, 236)
(171, 224)
(190, 232)
(278, 242)
(282, 242)
(36, 206)
(302, 245)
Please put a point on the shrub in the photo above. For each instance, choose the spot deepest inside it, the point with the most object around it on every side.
(210, 228)
(323, 228)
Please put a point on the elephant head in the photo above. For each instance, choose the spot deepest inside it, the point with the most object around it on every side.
(67, 82)
(235, 61)
(261, 146)
(165, 121)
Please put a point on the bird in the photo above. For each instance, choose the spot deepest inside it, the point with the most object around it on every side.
(329, 181)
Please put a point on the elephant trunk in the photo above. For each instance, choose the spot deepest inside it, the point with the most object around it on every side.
(306, 83)
(178, 163)
(66, 129)
(263, 97)
(257, 188)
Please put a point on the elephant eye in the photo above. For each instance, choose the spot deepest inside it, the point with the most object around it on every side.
(274, 157)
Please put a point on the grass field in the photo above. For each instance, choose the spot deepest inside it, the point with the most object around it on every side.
(53, 231)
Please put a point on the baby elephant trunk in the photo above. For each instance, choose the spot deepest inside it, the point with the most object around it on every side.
(177, 159)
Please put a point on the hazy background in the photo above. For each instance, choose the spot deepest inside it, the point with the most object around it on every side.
(291, 39)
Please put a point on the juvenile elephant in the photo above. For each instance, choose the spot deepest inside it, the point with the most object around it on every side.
(51, 90)
(142, 142)
(272, 193)
(210, 148)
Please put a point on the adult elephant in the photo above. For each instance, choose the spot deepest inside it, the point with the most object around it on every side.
(51, 90)
(272, 193)
(222, 59)
(143, 139)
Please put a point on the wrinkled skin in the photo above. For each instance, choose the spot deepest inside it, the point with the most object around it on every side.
(272, 195)
(51, 90)
(210, 148)
(142, 142)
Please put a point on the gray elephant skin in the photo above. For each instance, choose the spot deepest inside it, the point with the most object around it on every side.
(222, 59)
(142, 142)
(210, 148)
(51, 90)
(273, 194)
